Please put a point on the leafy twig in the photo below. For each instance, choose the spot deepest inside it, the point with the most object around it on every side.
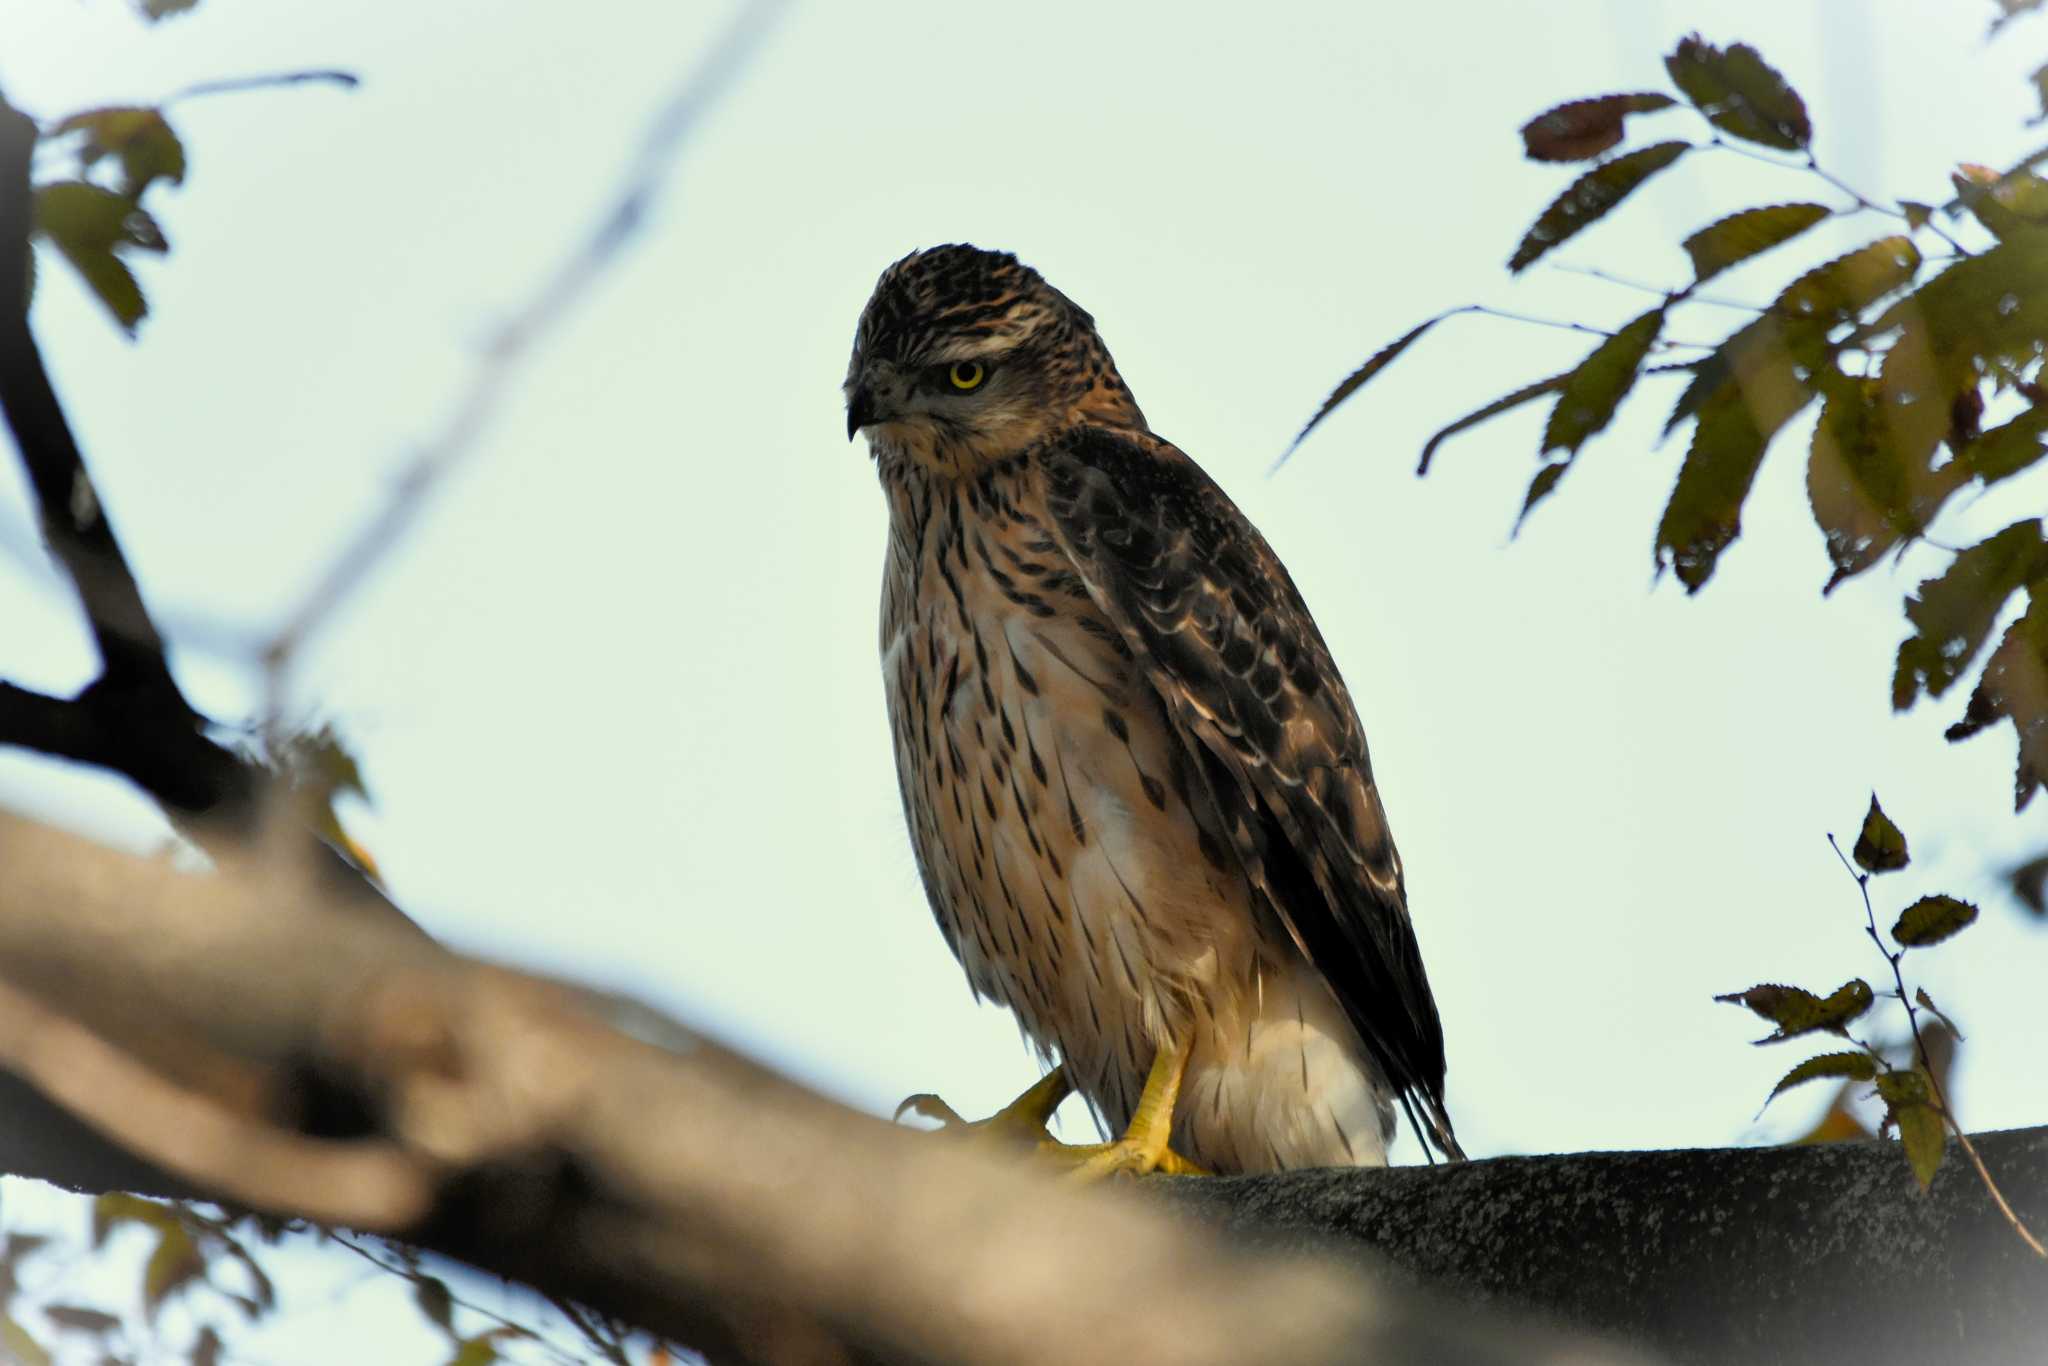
(1893, 957)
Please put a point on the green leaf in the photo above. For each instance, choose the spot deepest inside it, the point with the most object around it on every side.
(1541, 487)
(137, 137)
(1526, 394)
(1991, 307)
(1855, 1066)
(2001, 452)
(1918, 215)
(1867, 492)
(1881, 846)
(1739, 236)
(1790, 342)
(2006, 205)
(1591, 196)
(1358, 378)
(18, 1347)
(87, 225)
(1596, 388)
(1953, 613)
(119, 1207)
(1584, 129)
(2015, 687)
(1704, 513)
(177, 1262)
(1932, 919)
(1740, 94)
(1909, 1103)
(1796, 1011)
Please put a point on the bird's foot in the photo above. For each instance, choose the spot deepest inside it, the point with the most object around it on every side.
(1021, 1123)
(1144, 1147)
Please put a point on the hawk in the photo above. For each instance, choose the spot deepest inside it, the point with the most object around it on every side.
(1136, 787)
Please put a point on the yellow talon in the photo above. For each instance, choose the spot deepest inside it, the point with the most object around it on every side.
(1021, 1122)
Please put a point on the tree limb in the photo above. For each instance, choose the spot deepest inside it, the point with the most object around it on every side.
(600, 1152)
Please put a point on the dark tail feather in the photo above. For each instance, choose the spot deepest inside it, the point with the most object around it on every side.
(1439, 1136)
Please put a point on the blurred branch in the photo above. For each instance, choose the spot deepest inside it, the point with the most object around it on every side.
(568, 284)
(73, 521)
(533, 1130)
(347, 80)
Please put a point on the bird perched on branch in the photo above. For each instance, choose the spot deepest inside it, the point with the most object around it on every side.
(1136, 787)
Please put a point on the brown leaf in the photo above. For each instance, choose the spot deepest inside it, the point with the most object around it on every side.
(1740, 94)
(1358, 378)
(1796, 1011)
(1585, 128)
(1526, 394)
(1867, 491)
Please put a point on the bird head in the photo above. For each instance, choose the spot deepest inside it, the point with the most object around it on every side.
(965, 358)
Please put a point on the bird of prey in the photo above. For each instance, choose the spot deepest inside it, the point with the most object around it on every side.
(1136, 787)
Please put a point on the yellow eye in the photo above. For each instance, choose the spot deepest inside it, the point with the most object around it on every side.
(967, 374)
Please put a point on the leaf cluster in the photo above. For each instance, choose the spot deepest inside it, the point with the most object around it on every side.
(1909, 346)
(1915, 1104)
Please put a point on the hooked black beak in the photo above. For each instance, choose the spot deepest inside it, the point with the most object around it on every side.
(860, 412)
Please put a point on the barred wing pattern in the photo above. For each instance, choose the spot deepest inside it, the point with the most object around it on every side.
(1250, 688)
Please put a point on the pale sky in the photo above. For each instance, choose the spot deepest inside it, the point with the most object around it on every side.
(618, 699)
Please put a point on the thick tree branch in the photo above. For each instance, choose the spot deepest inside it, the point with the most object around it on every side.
(596, 1151)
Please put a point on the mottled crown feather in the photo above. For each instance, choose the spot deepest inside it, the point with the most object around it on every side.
(938, 303)
(959, 291)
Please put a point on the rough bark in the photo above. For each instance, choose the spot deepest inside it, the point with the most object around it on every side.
(1807, 1255)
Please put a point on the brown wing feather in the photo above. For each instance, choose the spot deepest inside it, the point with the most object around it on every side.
(1231, 648)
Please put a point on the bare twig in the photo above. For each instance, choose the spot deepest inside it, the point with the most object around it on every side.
(347, 80)
(1893, 957)
(516, 340)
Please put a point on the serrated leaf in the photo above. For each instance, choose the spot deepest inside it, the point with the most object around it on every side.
(1593, 391)
(1932, 919)
(1540, 487)
(2001, 452)
(1583, 129)
(1740, 94)
(1704, 513)
(1739, 236)
(1983, 309)
(1790, 343)
(1526, 394)
(1918, 215)
(18, 1346)
(1590, 197)
(1881, 845)
(1363, 375)
(137, 137)
(1953, 613)
(88, 225)
(176, 1263)
(1796, 1011)
(79, 1318)
(2005, 205)
(1867, 492)
(1855, 1066)
(2015, 688)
